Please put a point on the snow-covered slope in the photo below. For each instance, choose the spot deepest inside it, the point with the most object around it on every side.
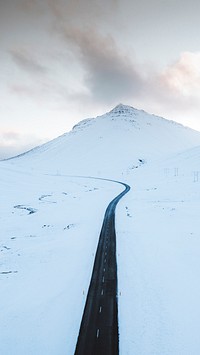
(111, 144)
(159, 258)
(50, 224)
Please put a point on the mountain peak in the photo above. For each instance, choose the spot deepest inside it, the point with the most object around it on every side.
(121, 109)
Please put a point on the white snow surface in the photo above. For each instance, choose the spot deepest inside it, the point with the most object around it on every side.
(51, 215)
(111, 144)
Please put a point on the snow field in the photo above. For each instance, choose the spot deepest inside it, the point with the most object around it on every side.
(47, 259)
(158, 264)
(50, 225)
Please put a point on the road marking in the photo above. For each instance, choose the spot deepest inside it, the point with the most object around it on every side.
(104, 269)
(102, 292)
(97, 333)
(100, 309)
(103, 279)
(105, 261)
(105, 253)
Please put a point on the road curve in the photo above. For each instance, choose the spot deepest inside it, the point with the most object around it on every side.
(98, 333)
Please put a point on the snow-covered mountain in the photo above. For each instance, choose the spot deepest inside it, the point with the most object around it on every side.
(111, 144)
(51, 218)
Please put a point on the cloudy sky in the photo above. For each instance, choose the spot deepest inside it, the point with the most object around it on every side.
(65, 60)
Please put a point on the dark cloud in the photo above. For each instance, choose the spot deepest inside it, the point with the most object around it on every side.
(109, 74)
(83, 12)
(26, 61)
(32, 7)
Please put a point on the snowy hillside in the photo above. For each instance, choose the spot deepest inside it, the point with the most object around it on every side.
(111, 144)
(50, 225)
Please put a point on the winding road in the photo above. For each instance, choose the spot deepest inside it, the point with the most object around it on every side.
(98, 333)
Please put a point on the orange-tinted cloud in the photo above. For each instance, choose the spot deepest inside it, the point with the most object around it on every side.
(183, 77)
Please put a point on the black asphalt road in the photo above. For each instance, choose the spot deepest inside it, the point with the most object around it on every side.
(98, 333)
